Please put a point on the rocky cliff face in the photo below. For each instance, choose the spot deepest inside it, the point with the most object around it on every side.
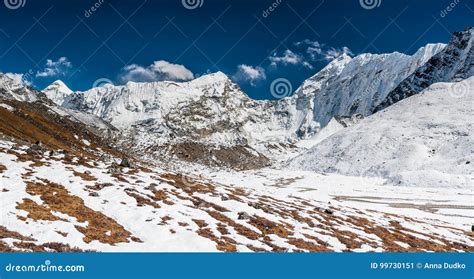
(455, 62)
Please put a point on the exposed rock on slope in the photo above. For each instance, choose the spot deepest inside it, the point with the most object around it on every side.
(209, 119)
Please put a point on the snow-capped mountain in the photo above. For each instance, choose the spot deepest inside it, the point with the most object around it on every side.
(71, 181)
(14, 90)
(12, 86)
(208, 113)
(212, 110)
(453, 63)
(349, 86)
(57, 92)
(425, 140)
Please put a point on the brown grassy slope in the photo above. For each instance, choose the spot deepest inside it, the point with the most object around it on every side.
(31, 122)
(57, 198)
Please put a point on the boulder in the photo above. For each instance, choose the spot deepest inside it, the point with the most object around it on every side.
(243, 216)
(35, 150)
(126, 163)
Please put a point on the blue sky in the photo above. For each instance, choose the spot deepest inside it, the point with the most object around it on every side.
(147, 40)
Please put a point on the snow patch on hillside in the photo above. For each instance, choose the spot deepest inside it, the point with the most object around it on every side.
(425, 140)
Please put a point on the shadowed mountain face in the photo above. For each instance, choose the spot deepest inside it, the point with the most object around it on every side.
(453, 63)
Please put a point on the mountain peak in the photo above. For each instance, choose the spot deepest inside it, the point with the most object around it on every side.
(429, 50)
(60, 85)
(213, 77)
(11, 81)
(334, 67)
(340, 60)
(57, 92)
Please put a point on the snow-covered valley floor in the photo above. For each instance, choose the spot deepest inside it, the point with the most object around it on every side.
(70, 203)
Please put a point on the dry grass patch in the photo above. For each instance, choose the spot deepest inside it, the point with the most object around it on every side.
(36, 211)
(33, 122)
(159, 195)
(2, 168)
(222, 244)
(5, 248)
(269, 227)
(141, 200)
(187, 184)
(64, 234)
(256, 249)
(84, 176)
(240, 229)
(165, 219)
(48, 247)
(5, 233)
(395, 233)
(99, 186)
(100, 227)
(200, 223)
(307, 245)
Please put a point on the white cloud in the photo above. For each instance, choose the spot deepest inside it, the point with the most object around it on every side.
(314, 51)
(289, 58)
(55, 68)
(334, 53)
(318, 51)
(158, 71)
(250, 74)
(313, 48)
